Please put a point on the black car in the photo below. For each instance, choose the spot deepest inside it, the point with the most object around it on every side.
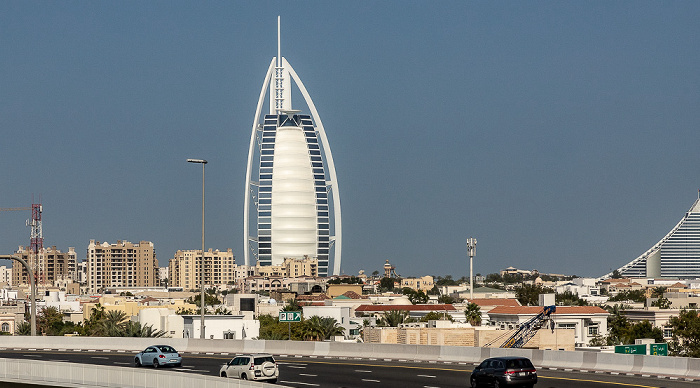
(504, 372)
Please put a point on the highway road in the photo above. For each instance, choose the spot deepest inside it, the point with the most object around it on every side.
(359, 373)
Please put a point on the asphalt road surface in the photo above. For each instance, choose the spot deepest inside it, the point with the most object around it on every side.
(358, 373)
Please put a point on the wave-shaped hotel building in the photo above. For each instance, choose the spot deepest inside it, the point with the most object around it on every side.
(291, 185)
(677, 255)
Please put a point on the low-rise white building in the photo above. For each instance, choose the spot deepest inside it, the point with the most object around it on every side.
(188, 326)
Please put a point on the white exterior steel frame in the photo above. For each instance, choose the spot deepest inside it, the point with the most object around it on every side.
(279, 72)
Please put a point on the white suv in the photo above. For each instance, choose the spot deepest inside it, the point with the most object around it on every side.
(259, 367)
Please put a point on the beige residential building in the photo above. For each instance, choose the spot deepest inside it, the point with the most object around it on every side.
(50, 265)
(424, 283)
(219, 269)
(123, 264)
(290, 268)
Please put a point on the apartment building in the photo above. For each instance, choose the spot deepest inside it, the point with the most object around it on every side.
(123, 264)
(424, 283)
(184, 269)
(290, 268)
(50, 265)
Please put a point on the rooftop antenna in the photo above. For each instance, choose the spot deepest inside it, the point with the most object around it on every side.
(279, 45)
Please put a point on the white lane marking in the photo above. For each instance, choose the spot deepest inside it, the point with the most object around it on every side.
(295, 367)
(191, 370)
(300, 383)
(31, 355)
(306, 374)
(371, 381)
(363, 371)
(428, 386)
(60, 360)
(432, 377)
(123, 363)
(101, 358)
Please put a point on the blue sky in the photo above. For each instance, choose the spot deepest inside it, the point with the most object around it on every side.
(562, 135)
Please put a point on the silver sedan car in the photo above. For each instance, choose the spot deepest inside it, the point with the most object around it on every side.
(158, 355)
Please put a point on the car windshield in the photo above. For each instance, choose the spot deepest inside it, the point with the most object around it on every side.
(167, 349)
(519, 364)
(262, 360)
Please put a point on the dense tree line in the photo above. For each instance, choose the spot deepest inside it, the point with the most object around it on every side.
(112, 323)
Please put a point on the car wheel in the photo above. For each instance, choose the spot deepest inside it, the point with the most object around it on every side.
(156, 364)
(223, 374)
(137, 362)
(244, 377)
(496, 384)
(177, 365)
(473, 383)
(273, 381)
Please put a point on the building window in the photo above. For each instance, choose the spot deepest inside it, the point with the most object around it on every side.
(592, 330)
(566, 326)
(6, 327)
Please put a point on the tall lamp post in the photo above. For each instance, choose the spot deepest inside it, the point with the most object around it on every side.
(201, 271)
(471, 249)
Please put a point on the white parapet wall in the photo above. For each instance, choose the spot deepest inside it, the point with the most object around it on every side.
(680, 367)
(63, 374)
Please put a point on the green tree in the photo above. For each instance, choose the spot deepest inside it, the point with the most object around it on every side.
(616, 274)
(436, 316)
(568, 298)
(644, 329)
(113, 323)
(473, 314)
(529, 294)
(394, 318)
(618, 329)
(638, 296)
(686, 334)
(292, 305)
(416, 297)
(446, 299)
(209, 300)
(24, 328)
(658, 292)
(662, 303)
(135, 329)
(49, 321)
(313, 329)
(330, 327)
(386, 284)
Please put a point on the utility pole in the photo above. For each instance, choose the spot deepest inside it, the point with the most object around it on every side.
(471, 249)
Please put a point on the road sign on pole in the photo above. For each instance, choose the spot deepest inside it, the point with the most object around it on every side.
(290, 316)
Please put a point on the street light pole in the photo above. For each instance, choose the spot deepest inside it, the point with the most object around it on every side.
(201, 270)
(471, 248)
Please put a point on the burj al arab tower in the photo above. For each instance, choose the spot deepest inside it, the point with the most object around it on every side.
(291, 186)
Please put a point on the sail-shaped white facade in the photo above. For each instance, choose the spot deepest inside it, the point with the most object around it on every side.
(292, 203)
(676, 255)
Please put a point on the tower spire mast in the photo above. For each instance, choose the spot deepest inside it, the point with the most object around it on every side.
(279, 43)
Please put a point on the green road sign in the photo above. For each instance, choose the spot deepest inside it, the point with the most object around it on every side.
(658, 349)
(631, 349)
(290, 316)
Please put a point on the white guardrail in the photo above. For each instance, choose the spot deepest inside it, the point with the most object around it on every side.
(674, 367)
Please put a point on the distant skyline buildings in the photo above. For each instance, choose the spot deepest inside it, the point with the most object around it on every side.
(676, 255)
(291, 188)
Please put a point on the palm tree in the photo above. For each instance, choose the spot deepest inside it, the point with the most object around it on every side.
(292, 305)
(473, 314)
(313, 328)
(330, 327)
(395, 317)
(113, 323)
(135, 329)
